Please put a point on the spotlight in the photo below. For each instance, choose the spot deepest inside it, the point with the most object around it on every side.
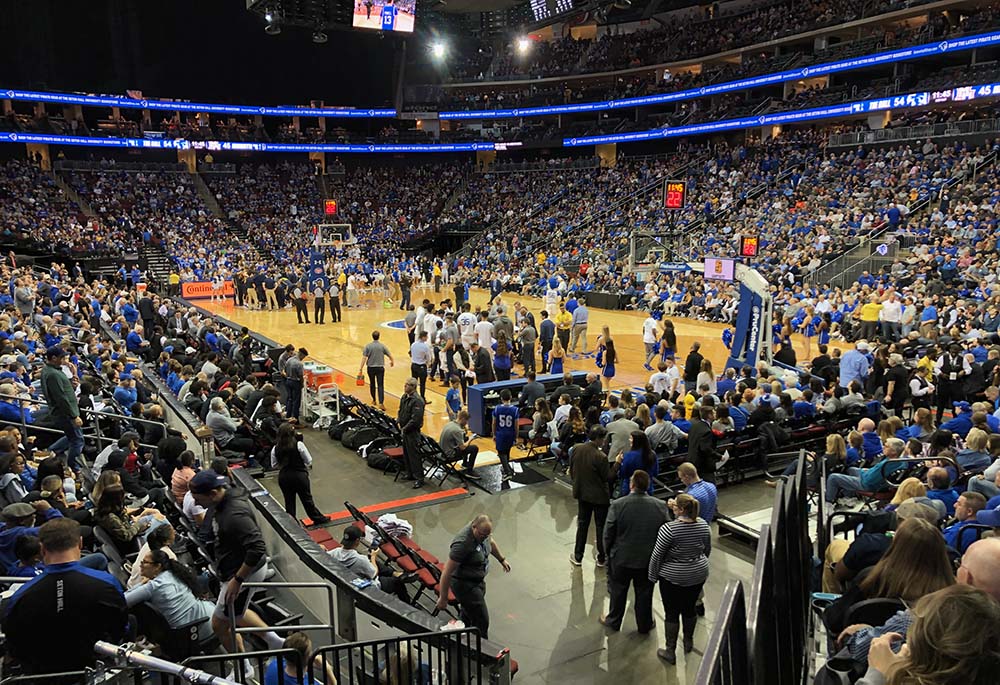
(319, 37)
(523, 44)
(438, 50)
(273, 27)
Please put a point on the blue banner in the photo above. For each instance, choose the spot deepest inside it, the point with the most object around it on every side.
(317, 270)
(865, 61)
(209, 108)
(673, 266)
(923, 99)
(908, 100)
(216, 145)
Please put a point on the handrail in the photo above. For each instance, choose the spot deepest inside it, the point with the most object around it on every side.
(916, 132)
(884, 227)
(89, 412)
(152, 663)
(231, 611)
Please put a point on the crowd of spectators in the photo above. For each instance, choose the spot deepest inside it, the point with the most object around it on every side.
(751, 23)
(35, 211)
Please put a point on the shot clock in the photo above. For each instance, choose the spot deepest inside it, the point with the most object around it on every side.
(330, 207)
(675, 194)
(749, 244)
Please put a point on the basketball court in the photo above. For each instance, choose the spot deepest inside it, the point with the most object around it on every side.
(339, 345)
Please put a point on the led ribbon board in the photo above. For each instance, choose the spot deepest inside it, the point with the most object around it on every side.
(877, 59)
(910, 100)
(216, 145)
(209, 108)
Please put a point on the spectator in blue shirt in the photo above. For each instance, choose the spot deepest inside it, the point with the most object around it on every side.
(11, 410)
(961, 424)
(804, 407)
(966, 508)
(939, 488)
(703, 491)
(677, 418)
(975, 457)
(125, 394)
(854, 364)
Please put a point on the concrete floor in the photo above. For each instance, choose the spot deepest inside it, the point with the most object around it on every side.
(545, 610)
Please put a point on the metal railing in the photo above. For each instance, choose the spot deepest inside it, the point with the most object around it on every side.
(919, 132)
(447, 656)
(726, 657)
(762, 638)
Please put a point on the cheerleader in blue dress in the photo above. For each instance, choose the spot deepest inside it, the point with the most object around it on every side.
(556, 357)
(606, 358)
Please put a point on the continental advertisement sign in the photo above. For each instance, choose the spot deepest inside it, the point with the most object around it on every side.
(202, 290)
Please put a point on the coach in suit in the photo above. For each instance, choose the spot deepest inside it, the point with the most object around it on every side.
(701, 445)
(147, 312)
(629, 537)
(590, 471)
(411, 420)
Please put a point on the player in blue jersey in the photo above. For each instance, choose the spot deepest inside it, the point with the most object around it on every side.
(505, 431)
(389, 12)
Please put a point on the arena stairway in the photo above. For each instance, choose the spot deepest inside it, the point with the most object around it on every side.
(207, 196)
(73, 195)
(157, 262)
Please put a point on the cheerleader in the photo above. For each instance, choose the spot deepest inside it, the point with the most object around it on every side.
(810, 328)
(825, 328)
(556, 357)
(606, 358)
(668, 340)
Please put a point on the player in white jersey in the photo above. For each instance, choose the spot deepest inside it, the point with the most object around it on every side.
(467, 326)
(551, 299)
(484, 331)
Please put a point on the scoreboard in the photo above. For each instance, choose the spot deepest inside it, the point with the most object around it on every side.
(749, 245)
(675, 194)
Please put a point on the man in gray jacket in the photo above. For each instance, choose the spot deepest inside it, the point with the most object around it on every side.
(629, 536)
(24, 298)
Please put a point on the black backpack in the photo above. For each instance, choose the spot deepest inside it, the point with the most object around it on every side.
(356, 436)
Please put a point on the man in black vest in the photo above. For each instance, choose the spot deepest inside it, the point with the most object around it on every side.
(951, 369)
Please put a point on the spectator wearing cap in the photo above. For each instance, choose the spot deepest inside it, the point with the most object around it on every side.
(53, 621)
(125, 394)
(961, 424)
(12, 409)
(368, 567)
(966, 509)
(64, 412)
(854, 365)
(19, 519)
(241, 556)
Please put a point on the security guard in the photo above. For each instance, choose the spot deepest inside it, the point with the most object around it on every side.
(465, 572)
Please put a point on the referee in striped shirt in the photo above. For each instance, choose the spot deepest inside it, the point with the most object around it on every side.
(680, 565)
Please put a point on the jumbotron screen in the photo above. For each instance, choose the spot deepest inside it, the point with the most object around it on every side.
(385, 15)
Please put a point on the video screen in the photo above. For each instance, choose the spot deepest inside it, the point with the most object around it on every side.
(719, 269)
(385, 15)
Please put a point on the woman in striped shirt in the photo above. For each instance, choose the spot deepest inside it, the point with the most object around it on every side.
(680, 564)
